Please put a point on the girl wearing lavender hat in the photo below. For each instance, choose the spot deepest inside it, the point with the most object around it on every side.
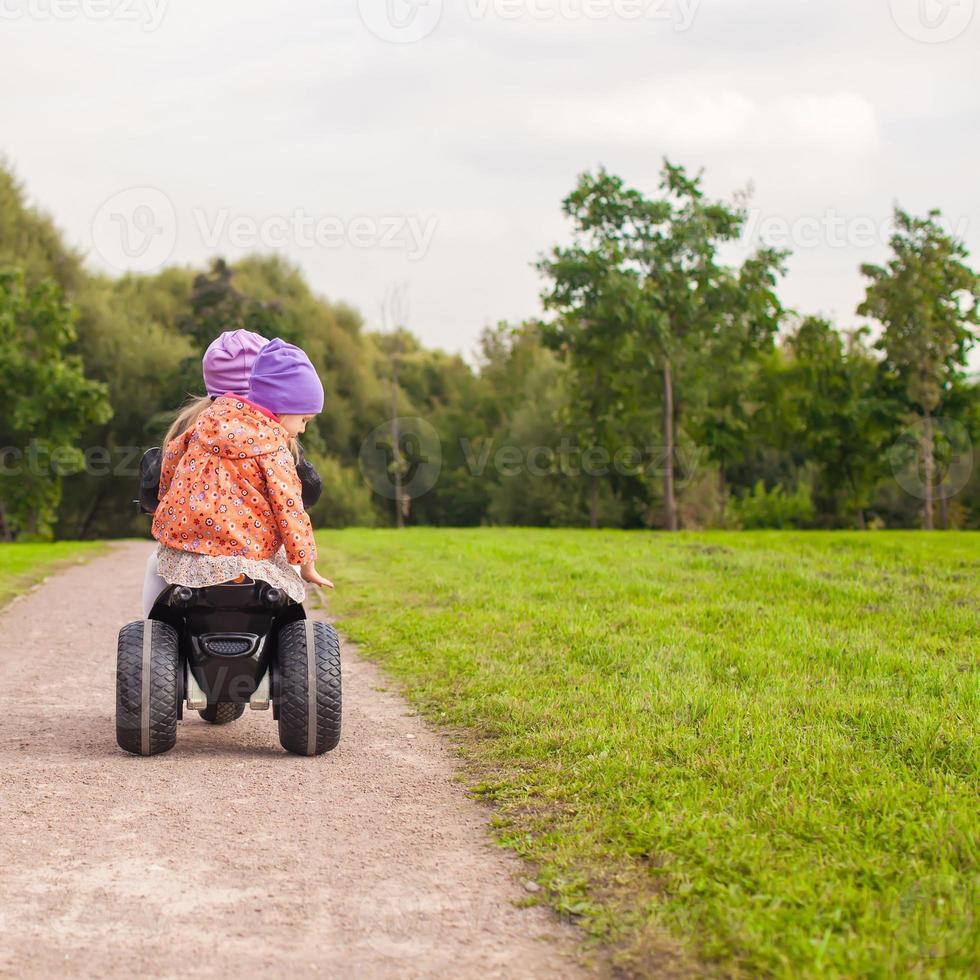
(232, 499)
(227, 368)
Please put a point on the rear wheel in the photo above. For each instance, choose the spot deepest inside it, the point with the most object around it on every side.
(147, 688)
(222, 712)
(308, 695)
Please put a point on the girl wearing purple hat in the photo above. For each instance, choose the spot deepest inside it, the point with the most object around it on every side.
(227, 367)
(232, 499)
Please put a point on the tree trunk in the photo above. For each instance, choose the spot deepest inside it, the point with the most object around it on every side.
(670, 505)
(396, 463)
(595, 435)
(943, 508)
(396, 450)
(860, 516)
(93, 510)
(929, 467)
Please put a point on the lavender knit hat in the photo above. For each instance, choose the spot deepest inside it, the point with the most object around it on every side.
(284, 381)
(228, 362)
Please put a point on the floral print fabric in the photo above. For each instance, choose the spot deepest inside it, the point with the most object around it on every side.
(230, 489)
(200, 571)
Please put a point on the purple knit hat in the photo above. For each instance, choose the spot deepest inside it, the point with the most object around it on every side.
(228, 362)
(284, 381)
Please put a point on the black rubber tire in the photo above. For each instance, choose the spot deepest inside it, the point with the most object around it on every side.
(146, 718)
(222, 712)
(296, 708)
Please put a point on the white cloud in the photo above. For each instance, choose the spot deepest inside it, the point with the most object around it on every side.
(263, 109)
(681, 113)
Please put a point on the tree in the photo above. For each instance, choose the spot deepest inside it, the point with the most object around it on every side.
(395, 343)
(47, 402)
(217, 306)
(30, 241)
(928, 300)
(641, 294)
(592, 290)
(836, 411)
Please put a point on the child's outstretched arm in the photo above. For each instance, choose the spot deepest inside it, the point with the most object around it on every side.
(284, 494)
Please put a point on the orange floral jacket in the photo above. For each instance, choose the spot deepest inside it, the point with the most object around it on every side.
(229, 486)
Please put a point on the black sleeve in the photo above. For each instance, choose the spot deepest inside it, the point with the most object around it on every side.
(308, 476)
(150, 480)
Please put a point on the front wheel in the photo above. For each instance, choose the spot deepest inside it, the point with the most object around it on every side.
(147, 687)
(308, 696)
(222, 712)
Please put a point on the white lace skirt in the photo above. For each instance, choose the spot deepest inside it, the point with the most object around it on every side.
(197, 571)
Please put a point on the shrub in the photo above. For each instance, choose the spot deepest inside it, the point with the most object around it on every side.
(775, 508)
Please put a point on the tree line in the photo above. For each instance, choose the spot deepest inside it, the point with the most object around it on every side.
(663, 387)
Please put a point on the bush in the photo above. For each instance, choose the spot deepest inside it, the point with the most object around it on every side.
(346, 500)
(774, 508)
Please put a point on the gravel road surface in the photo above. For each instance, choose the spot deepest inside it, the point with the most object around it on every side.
(227, 856)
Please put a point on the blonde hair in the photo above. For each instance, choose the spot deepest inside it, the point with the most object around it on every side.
(186, 417)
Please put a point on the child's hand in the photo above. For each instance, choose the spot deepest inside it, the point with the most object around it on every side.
(311, 575)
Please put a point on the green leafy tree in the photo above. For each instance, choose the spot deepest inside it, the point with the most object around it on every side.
(836, 413)
(593, 290)
(47, 403)
(216, 306)
(30, 240)
(641, 295)
(928, 300)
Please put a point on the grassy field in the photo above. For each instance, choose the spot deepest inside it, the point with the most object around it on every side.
(21, 565)
(752, 753)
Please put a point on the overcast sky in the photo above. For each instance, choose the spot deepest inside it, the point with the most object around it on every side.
(431, 143)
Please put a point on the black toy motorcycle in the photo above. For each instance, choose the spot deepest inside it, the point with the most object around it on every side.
(220, 649)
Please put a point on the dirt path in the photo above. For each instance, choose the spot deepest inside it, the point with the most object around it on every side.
(226, 855)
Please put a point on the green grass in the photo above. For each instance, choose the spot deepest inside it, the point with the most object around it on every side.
(753, 753)
(21, 565)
